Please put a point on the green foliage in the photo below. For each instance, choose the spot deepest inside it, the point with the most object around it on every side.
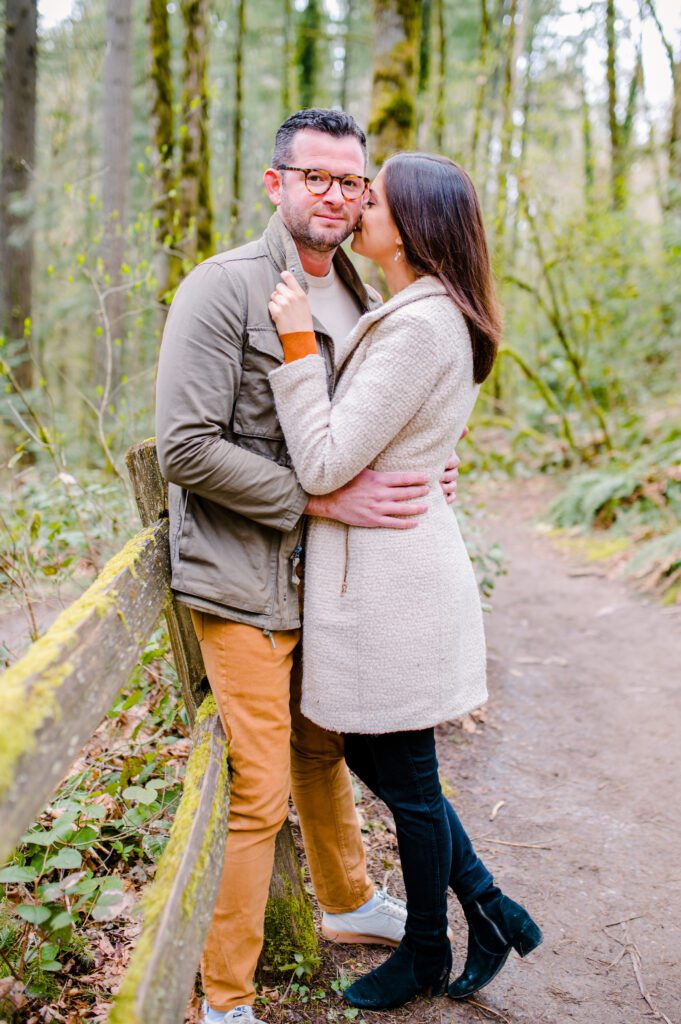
(639, 498)
(645, 491)
(72, 865)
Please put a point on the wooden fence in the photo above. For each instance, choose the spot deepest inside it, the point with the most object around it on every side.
(52, 701)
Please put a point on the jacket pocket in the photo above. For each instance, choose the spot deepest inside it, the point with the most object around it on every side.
(255, 414)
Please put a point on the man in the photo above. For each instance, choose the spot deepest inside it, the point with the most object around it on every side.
(237, 520)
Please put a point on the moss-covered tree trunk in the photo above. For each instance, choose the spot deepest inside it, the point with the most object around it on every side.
(237, 122)
(424, 107)
(18, 161)
(163, 147)
(440, 87)
(196, 212)
(672, 198)
(287, 66)
(289, 924)
(617, 188)
(307, 52)
(587, 147)
(393, 116)
(506, 137)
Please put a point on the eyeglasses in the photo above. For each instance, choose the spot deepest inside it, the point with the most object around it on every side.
(319, 182)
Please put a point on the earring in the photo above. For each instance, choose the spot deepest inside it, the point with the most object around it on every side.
(398, 254)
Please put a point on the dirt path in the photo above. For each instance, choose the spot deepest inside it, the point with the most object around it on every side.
(583, 744)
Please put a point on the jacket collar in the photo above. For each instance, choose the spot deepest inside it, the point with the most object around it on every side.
(422, 288)
(283, 252)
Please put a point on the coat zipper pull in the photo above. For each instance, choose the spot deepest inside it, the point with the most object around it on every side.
(344, 585)
(268, 633)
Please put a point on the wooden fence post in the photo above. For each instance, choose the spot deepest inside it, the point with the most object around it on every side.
(289, 922)
(151, 494)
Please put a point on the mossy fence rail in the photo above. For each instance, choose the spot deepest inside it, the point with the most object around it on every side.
(52, 701)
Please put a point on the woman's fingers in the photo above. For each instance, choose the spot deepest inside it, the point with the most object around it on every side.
(290, 281)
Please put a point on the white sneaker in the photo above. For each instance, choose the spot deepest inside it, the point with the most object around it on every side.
(239, 1015)
(381, 925)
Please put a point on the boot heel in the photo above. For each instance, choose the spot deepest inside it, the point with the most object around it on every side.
(528, 938)
(438, 988)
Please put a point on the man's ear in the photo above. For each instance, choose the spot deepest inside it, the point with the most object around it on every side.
(272, 182)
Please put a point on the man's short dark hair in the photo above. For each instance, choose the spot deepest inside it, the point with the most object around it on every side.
(316, 119)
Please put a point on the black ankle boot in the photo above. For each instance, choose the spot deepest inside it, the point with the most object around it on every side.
(496, 925)
(405, 974)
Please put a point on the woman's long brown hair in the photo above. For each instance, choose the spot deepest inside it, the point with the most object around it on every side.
(437, 213)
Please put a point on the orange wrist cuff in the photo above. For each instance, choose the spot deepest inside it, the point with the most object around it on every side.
(298, 344)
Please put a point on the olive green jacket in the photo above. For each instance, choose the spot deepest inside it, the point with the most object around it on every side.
(235, 503)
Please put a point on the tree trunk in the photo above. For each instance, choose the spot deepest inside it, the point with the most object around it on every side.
(307, 53)
(163, 137)
(483, 74)
(617, 194)
(238, 116)
(393, 117)
(424, 106)
(587, 145)
(287, 61)
(440, 95)
(196, 208)
(345, 76)
(18, 159)
(289, 923)
(673, 191)
(506, 134)
(116, 151)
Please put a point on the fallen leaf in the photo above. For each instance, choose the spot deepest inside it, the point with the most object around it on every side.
(495, 810)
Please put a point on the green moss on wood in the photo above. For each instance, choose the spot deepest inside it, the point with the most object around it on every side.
(29, 690)
(289, 928)
(155, 900)
(207, 709)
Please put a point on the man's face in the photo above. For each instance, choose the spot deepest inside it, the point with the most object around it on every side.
(319, 223)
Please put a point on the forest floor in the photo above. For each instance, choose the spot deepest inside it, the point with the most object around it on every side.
(568, 781)
(580, 740)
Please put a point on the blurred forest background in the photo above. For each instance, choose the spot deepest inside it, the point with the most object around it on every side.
(133, 143)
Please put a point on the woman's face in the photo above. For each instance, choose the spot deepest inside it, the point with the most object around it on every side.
(376, 236)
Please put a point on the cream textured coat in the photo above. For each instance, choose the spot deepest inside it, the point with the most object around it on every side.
(393, 626)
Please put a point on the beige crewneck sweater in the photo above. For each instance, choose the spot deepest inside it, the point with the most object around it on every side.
(333, 305)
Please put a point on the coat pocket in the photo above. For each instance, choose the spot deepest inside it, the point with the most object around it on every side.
(255, 414)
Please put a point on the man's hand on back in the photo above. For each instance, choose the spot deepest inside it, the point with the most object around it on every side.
(374, 499)
(450, 478)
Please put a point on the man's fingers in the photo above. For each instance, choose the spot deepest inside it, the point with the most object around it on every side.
(402, 508)
(449, 476)
(290, 282)
(396, 524)
(404, 493)
(394, 479)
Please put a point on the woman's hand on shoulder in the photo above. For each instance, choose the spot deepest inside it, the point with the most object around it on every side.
(289, 306)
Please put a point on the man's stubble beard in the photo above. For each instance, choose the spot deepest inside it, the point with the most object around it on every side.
(304, 237)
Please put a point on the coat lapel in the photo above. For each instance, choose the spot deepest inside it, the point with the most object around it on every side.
(422, 288)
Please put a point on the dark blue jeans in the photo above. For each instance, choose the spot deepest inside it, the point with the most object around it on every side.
(401, 769)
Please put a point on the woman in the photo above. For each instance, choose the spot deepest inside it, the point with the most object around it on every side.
(394, 639)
